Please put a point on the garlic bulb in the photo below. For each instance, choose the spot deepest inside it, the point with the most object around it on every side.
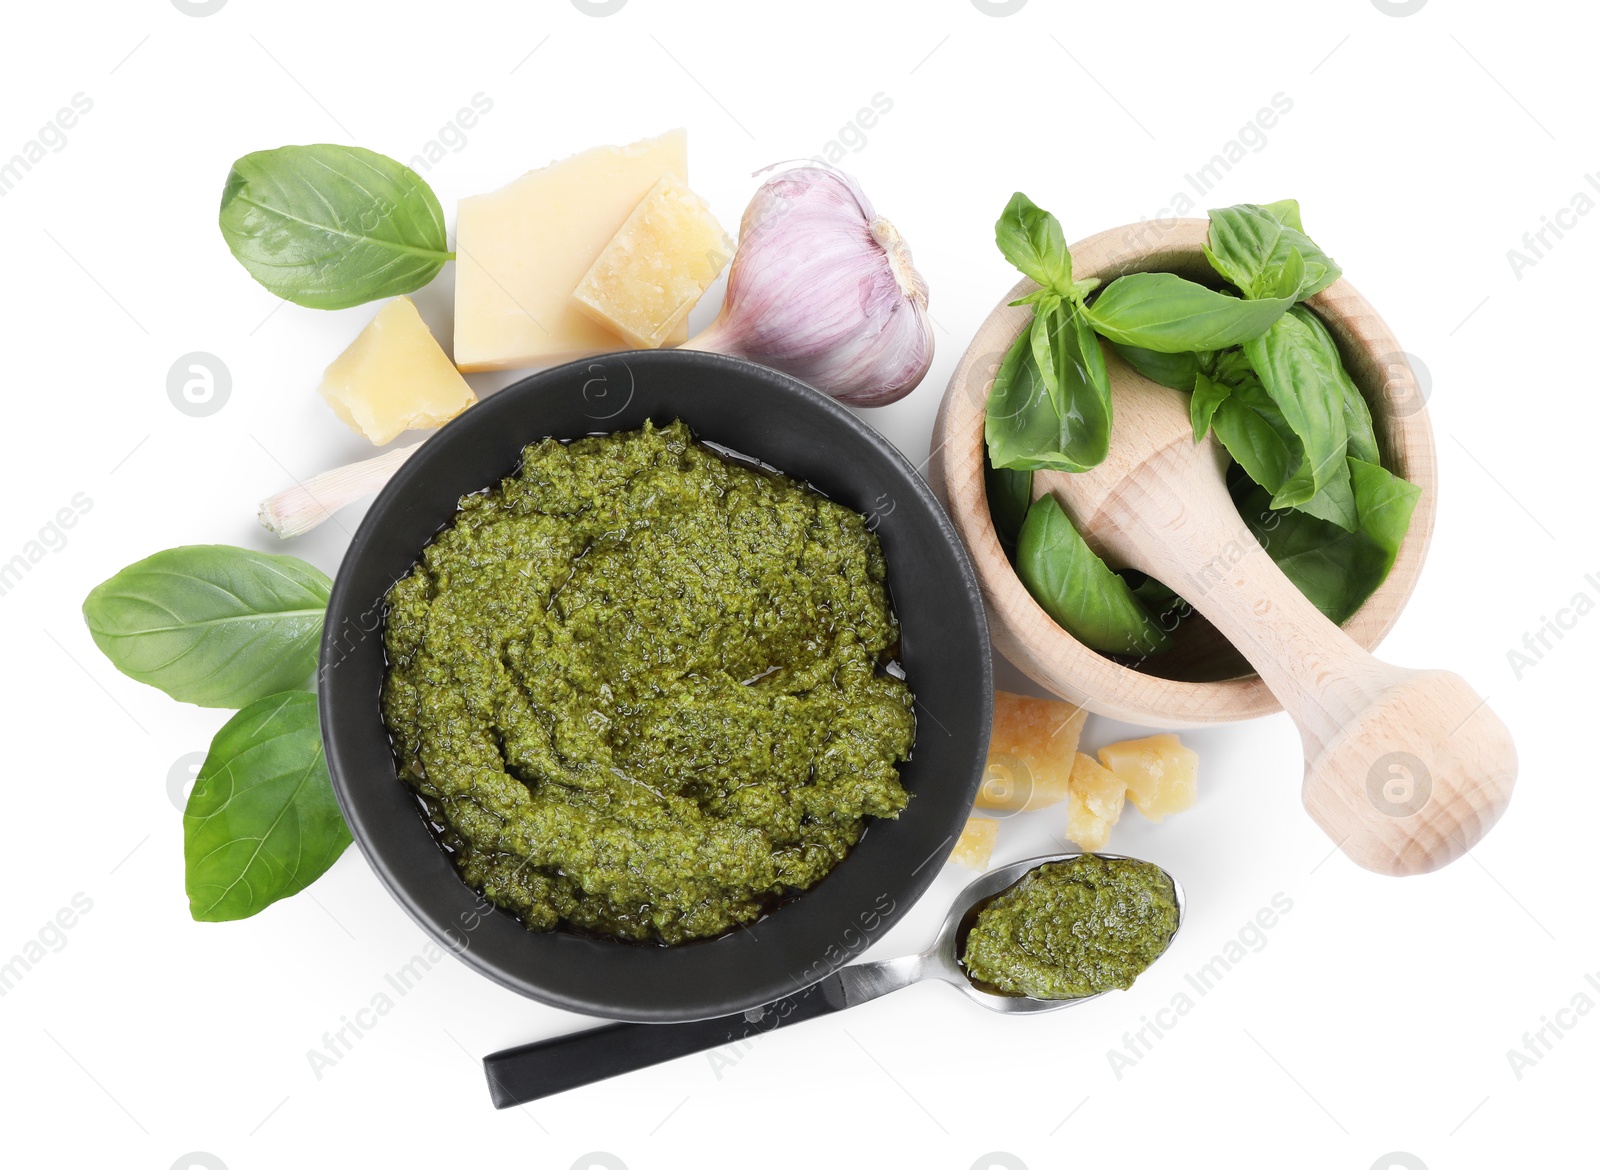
(823, 288)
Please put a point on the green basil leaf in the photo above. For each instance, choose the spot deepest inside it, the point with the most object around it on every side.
(1031, 239)
(1173, 370)
(1300, 371)
(1363, 440)
(1337, 570)
(1385, 502)
(1251, 246)
(1203, 403)
(1166, 313)
(1264, 451)
(1075, 587)
(1043, 346)
(1155, 596)
(1285, 211)
(329, 226)
(1335, 502)
(1029, 426)
(1008, 492)
(211, 624)
(262, 822)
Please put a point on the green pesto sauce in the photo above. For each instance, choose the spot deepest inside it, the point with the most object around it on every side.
(1074, 928)
(640, 688)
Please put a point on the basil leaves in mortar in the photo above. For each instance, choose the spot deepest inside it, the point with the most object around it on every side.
(220, 626)
(332, 226)
(1264, 375)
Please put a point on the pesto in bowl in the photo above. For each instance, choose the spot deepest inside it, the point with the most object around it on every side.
(645, 691)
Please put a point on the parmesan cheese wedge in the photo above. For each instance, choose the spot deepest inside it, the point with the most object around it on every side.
(394, 377)
(521, 251)
(657, 266)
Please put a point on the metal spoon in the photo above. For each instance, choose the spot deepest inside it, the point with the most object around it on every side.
(532, 1071)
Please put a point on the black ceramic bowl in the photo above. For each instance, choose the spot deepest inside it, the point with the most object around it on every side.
(945, 651)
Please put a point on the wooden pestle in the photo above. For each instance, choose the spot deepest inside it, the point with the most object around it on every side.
(1405, 769)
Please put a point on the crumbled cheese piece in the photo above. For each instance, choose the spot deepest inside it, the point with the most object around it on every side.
(1158, 770)
(1030, 752)
(394, 377)
(1094, 803)
(976, 844)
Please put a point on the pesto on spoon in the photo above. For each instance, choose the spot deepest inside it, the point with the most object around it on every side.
(1074, 928)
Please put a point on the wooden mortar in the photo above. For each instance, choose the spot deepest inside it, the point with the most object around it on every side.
(1405, 769)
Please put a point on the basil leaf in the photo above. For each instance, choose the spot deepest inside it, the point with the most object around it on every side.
(1300, 371)
(1248, 423)
(1203, 403)
(1029, 426)
(1337, 570)
(1173, 370)
(1039, 340)
(1335, 502)
(1076, 588)
(329, 226)
(211, 624)
(1286, 211)
(1166, 313)
(1031, 239)
(1151, 592)
(262, 822)
(1363, 440)
(1008, 492)
(1263, 450)
(1251, 246)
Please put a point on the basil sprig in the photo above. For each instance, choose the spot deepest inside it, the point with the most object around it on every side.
(228, 627)
(1265, 377)
(332, 226)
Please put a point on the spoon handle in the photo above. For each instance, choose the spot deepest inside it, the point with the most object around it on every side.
(545, 1067)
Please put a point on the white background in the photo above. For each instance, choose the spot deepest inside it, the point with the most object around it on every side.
(1378, 1013)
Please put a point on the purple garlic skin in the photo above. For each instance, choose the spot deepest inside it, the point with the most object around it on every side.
(823, 288)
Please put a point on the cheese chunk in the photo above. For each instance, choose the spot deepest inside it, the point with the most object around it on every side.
(1094, 803)
(394, 377)
(1030, 752)
(521, 251)
(657, 266)
(1159, 771)
(976, 844)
